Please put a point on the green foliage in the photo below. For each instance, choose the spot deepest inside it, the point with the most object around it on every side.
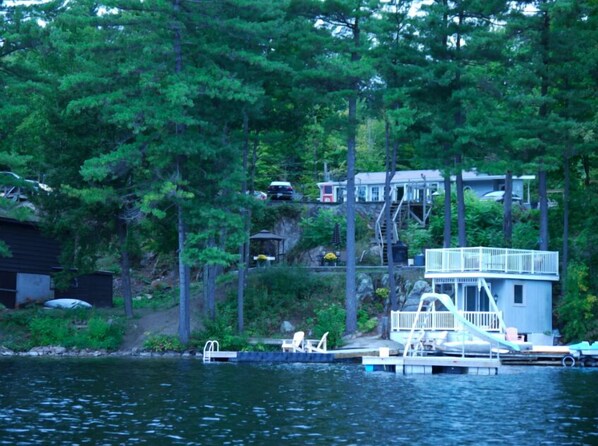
(79, 328)
(365, 323)
(382, 293)
(158, 297)
(4, 250)
(50, 330)
(417, 238)
(163, 343)
(318, 230)
(578, 311)
(221, 329)
(99, 334)
(276, 294)
(484, 222)
(330, 319)
(267, 216)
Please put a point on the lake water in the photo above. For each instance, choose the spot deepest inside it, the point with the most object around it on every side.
(116, 401)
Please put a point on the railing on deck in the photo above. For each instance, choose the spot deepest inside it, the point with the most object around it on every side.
(495, 260)
(445, 320)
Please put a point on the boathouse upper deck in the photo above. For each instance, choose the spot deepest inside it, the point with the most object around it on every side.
(491, 263)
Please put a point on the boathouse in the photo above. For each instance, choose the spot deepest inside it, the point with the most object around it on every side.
(493, 288)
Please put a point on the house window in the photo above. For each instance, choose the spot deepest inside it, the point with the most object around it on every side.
(518, 294)
(361, 193)
(375, 193)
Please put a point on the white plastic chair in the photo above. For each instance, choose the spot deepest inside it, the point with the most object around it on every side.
(295, 344)
(321, 347)
(511, 334)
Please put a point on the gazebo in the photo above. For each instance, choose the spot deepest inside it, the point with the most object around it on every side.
(270, 244)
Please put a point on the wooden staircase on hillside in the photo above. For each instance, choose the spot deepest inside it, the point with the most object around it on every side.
(415, 205)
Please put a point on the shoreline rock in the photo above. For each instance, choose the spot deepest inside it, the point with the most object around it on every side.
(47, 351)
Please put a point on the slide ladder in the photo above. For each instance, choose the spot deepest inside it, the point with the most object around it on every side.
(211, 346)
(414, 345)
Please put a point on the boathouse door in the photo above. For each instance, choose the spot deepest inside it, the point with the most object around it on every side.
(476, 299)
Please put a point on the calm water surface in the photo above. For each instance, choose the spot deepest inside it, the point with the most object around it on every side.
(184, 402)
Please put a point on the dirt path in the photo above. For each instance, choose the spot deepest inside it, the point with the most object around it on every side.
(152, 322)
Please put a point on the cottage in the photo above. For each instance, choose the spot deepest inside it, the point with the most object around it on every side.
(417, 186)
(26, 276)
(496, 289)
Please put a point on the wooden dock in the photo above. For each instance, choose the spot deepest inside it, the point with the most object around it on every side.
(428, 365)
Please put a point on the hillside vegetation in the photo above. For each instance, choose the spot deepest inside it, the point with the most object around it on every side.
(151, 124)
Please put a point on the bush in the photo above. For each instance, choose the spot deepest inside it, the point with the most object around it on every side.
(98, 334)
(221, 329)
(49, 330)
(275, 294)
(330, 319)
(578, 311)
(163, 343)
(79, 328)
(365, 323)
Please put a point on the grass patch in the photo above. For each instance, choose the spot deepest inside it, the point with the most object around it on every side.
(95, 329)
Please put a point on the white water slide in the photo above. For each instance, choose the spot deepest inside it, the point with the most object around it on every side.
(471, 328)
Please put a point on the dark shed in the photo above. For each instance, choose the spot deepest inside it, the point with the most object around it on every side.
(26, 276)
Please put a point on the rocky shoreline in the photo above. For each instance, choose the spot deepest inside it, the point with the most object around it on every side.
(85, 353)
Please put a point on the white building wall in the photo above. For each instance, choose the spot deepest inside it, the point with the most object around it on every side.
(33, 288)
(534, 315)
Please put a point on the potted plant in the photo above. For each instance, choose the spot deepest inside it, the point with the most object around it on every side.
(330, 258)
(262, 259)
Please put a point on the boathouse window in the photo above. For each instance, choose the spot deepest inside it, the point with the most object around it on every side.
(518, 294)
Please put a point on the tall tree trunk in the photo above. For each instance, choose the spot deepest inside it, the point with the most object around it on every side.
(211, 287)
(184, 282)
(585, 162)
(543, 113)
(184, 272)
(243, 254)
(447, 210)
(507, 223)
(460, 205)
(566, 194)
(125, 266)
(350, 292)
(391, 167)
(543, 209)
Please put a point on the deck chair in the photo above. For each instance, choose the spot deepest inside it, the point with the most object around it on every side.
(320, 347)
(295, 344)
(512, 335)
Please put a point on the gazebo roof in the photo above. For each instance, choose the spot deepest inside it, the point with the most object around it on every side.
(266, 235)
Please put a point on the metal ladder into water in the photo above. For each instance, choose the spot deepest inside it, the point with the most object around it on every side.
(210, 347)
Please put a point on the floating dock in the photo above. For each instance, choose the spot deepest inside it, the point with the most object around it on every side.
(428, 365)
(230, 356)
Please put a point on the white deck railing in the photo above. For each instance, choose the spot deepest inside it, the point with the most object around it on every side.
(492, 260)
(445, 320)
